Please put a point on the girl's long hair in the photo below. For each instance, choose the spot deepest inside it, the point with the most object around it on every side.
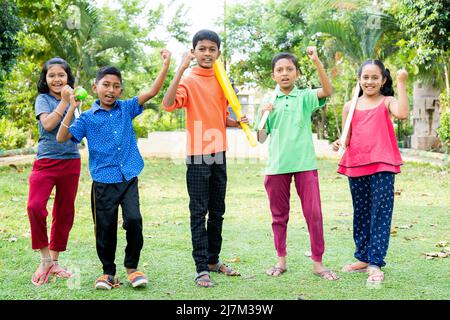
(386, 88)
(42, 85)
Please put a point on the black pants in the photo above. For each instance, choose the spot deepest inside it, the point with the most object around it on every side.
(105, 201)
(206, 179)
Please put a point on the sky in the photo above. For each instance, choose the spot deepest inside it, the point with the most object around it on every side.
(202, 14)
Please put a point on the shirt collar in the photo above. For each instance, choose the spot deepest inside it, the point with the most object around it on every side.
(293, 93)
(203, 72)
(96, 106)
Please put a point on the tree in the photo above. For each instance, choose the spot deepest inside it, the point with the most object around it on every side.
(88, 38)
(9, 49)
(427, 29)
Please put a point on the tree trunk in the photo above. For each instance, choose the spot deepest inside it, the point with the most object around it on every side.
(425, 117)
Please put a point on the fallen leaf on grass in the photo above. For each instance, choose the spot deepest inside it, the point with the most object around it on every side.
(333, 228)
(431, 255)
(343, 214)
(409, 238)
(18, 169)
(398, 192)
(433, 225)
(393, 232)
(406, 226)
(426, 194)
(237, 259)
(441, 244)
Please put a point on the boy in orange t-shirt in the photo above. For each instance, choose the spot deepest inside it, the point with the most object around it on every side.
(206, 120)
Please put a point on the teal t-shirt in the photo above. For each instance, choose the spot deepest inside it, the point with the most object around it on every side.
(291, 147)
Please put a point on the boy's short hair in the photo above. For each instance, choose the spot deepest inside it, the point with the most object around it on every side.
(285, 55)
(206, 35)
(108, 70)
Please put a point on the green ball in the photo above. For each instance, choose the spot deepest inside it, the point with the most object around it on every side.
(80, 93)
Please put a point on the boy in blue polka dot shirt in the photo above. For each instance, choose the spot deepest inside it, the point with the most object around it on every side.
(114, 164)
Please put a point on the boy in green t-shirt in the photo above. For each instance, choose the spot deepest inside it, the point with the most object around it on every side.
(291, 154)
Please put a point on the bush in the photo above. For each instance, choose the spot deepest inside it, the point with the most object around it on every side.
(152, 120)
(11, 137)
(444, 121)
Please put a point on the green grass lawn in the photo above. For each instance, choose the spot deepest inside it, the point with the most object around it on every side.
(421, 220)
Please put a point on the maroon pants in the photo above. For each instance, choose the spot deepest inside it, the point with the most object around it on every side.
(46, 174)
(278, 190)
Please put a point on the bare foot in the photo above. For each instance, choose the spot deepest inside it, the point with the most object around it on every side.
(358, 266)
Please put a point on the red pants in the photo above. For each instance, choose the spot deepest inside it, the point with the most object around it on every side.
(46, 174)
(278, 190)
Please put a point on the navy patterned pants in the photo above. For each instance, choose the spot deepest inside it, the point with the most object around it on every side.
(373, 203)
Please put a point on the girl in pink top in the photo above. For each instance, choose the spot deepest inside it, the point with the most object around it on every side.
(370, 161)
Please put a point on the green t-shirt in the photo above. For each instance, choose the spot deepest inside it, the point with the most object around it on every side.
(291, 147)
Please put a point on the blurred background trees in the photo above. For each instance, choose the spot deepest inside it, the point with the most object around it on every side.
(411, 34)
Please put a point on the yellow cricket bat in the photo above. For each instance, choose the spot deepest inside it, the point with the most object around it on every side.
(224, 82)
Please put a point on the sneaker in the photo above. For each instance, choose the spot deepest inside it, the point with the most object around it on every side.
(106, 282)
(138, 279)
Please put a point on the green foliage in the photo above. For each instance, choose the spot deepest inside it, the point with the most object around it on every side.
(10, 136)
(444, 121)
(257, 31)
(427, 34)
(9, 26)
(9, 48)
(155, 120)
(88, 38)
(358, 35)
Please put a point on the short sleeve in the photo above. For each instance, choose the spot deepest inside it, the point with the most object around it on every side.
(312, 101)
(181, 99)
(41, 106)
(132, 106)
(78, 128)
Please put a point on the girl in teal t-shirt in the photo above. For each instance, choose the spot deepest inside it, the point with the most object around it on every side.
(291, 154)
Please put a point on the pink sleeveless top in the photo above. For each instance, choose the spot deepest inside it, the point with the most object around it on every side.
(373, 147)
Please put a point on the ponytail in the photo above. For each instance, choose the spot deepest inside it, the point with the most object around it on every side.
(386, 88)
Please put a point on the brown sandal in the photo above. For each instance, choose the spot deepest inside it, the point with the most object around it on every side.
(276, 271)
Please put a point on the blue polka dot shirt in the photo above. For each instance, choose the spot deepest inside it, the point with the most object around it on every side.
(113, 152)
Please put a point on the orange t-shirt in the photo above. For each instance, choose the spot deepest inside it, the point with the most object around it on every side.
(206, 111)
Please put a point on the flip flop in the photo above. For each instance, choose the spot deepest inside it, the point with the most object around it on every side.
(379, 275)
(35, 278)
(326, 272)
(62, 273)
(271, 271)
